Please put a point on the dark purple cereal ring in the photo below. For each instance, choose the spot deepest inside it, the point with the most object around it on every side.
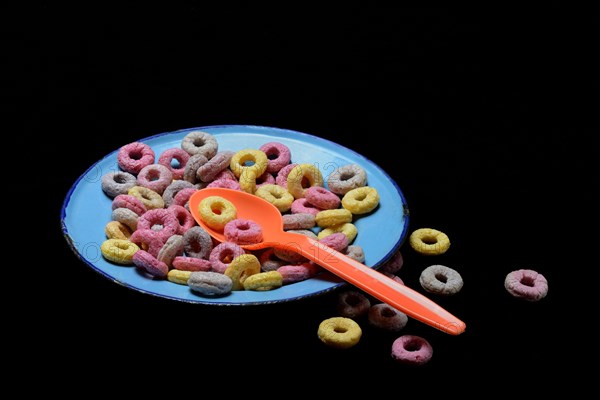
(278, 155)
(225, 183)
(155, 177)
(191, 264)
(215, 165)
(130, 202)
(225, 174)
(394, 277)
(146, 261)
(346, 178)
(198, 142)
(126, 217)
(192, 166)
(116, 183)
(183, 196)
(298, 221)
(394, 264)
(411, 350)
(337, 241)
(175, 159)
(198, 242)
(281, 178)
(298, 272)
(352, 304)
(269, 261)
(148, 240)
(222, 255)
(172, 248)
(385, 317)
(161, 220)
(243, 231)
(302, 206)
(208, 283)
(184, 218)
(134, 156)
(355, 252)
(174, 188)
(322, 198)
(526, 284)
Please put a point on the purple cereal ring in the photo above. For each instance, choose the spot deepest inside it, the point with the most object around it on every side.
(134, 156)
(352, 304)
(172, 248)
(116, 183)
(176, 167)
(146, 261)
(126, 216)
(191, 264)
(208, 283)
(281, 178)
(337, 241)
(411, 350)
(130, 202)
(394, 277)
(265, 179)
(183, 196)
(225, 183)
(174, 188)
(147, 240)
(394, 264)
(161, 220)
(302, 206)
(298, 272)
(322, 198)
(385, 317)
(269, 261)
(278, 154)
(298, 221)
(243, 231)
(192, 166)
(155, 177)
(184, 218)
(199, 142)
(198, 242)
(222, 254)
(225, 174)
(218, 163)
(526, 284)
(355, 252)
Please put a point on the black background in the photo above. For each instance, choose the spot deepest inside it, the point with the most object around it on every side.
(476, 114)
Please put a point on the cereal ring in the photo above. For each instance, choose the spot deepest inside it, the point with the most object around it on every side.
(116, 183)
(337, 241)
(178, 276)
(191, 264)
(221, 255)
(348, 229)
(302, 206)
(278, 155)
(126, 217)
(199, 142)
(411, 350)
(183, 196)
(249, 159)
(248, 181)
(526, 284)
(290, 254)
(243, 231)
(185, 220)
(128, 201)
(393, 264)
(265, 179)
(208, 283)
(134, 156)
(218, 163)
(430, 242)
(225, 174)
(240, 268)
(276, 195)
(172, 248)
(176, 167)
(394, 277)
(174, 188)
(198, 243)
(352, 304)
(281, 177)
(305, 232)
(119, 251)
(190, 173)
(148, 240)
(298, 221)
(225, 183)
(440, 279)
(384, 317)
(149, 197)
(161, 220)
(355, 252)
(117, 230)
(263, 281)
(303, 176)
(216, 212)
(322, 198)
(269, 261)
(339, 332)
(155, 177)
(327, 218)
(146, 261)
(298, 272)
(361, 200)
(346, 178)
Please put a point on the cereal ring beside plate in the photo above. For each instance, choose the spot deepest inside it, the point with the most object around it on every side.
(526, 284)
(339, 332)
(440, 279)
(429, 241)
(411, 350)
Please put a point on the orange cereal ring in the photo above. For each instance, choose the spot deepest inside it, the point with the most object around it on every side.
(276, 195)
(117, 230)
(429, 241)
(327, 218)
(217, 211)
(361, 200)
(251, 159)
(149, 197)
(241, 268)
(119, 251)
(301, 177)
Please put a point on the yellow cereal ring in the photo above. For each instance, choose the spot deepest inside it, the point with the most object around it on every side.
(348, 229)
(337, 216)
(149, 197)
(301, 177)
(263, 281)
(430, 242)
(241, 268)
(276, 195)
(119, 251)
(249, 159)
(117, 230)
(339, 332)
(248, 181)
(361, 200)
(178, 276)
(217, 211)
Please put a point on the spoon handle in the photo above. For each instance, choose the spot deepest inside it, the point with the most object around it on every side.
(387, 290)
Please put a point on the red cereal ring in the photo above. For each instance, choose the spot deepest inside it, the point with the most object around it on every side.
(225, 174)
(155, 177)
(225, 183)
(181, 158)
(184, 218)
(134, 156)
(148, 240)
(210, 169)
(191, 264)
(222, 255)
(183, 196)
(302, 206)
(146, 261)
(130, 202)
(281, 178)
(161, 220)
(243, 231)
(298, 272)
(411, 350)
(278, 156)
(322, 198)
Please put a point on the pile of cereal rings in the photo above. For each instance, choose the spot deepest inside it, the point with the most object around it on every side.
(152, 228)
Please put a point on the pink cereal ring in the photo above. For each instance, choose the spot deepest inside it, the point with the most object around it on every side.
(322, 198)
(208, 171)
(181, 158)
(184, 218)
(394, 264)
(146, 261)
(298, 272)
(222, 254)
(265, 179)
(337, 241)
(130, 202)
(191, 264)
(411, 350)
(225, 174)
(526, 284)
(155, 177)
(134, 156)
(161, 220)
(281, 178)
(302, 206)
(225, 183)
(278, 156)
(147, 240)
(243, 231)
(183, 196)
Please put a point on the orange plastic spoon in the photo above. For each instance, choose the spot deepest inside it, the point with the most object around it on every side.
(369, 280)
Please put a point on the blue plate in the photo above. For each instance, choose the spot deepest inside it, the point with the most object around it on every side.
(86, 210)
